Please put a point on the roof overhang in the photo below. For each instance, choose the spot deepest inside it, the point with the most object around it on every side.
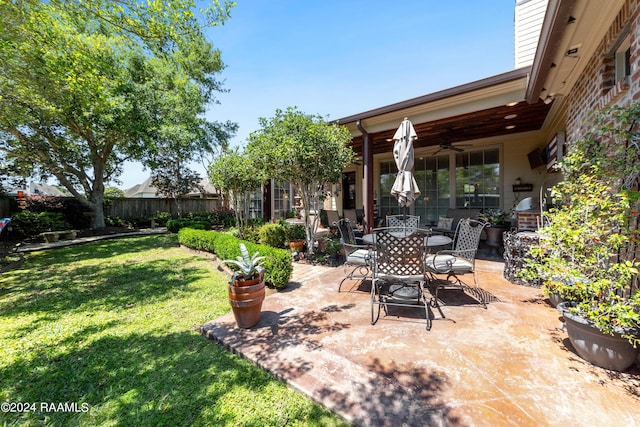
(484, 108)
(570, 34)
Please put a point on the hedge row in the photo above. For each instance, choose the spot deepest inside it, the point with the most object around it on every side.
(278, 265)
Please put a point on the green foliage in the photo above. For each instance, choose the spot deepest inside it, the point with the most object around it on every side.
(223, 216)
(493, 216)
(86, 85)
(71, 209)
(114, 324)
(304, 150)
(162, 218)
(273, 235)
(332, 246)
(246, 266)
(235, 173)
(252, 233)
(294, 232)
(586, 253)
(278, 265)
(113, 221)
(28, 224)
(175, 225)
(113, 192)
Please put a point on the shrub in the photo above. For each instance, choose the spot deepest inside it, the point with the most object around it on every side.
(278, 265)
(295, 232)
(224, 216)
(27, 223)
(72, 211)
(252, 234)
(113, 221)
(273, 235)
(162, 218)
(175, 225)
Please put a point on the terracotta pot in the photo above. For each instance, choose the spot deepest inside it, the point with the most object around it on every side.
(296, 245)
(246, 301)
(603, 350)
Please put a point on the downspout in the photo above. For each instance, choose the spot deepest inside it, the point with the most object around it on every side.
(367, 185)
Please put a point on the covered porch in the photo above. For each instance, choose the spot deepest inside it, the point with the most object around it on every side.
(474, 144)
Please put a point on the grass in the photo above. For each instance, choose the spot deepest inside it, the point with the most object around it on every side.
(112, 326)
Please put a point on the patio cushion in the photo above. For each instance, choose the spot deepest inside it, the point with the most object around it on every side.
(445, 223)
(440, 263)
(360, 256)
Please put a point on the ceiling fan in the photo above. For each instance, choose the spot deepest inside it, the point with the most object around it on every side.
(446, 145)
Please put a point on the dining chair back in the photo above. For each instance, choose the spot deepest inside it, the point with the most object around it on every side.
(403, 222)
(399, 271)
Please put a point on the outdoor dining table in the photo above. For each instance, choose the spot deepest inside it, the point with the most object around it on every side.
(432, 241)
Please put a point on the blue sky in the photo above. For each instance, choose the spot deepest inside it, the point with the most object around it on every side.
(338, 58)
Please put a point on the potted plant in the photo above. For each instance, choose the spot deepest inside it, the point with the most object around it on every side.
(333, 247)
(587, 247)
(296, 236)
(246, 287)
(498, 223)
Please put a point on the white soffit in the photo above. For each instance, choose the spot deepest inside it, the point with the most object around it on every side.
(579, 42)
(478, 100)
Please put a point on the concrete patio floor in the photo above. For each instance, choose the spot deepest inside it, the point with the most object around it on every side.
(508, 365)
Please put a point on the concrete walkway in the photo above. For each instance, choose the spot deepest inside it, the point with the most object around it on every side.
(508, 365)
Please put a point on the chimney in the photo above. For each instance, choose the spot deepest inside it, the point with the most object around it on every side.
(529, 15)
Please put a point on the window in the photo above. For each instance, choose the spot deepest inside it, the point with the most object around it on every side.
(388, 173)
(623, 60)
(433, 178)
(255, 203)
(281, 198)
(477, 178)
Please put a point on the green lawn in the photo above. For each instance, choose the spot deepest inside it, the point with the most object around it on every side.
(113, 328)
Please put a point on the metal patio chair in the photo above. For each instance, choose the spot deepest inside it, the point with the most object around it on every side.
(458, 261)
(399, 271)
(357, 255)
(407, 223)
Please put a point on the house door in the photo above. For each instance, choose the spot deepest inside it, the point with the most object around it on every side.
(349, 190)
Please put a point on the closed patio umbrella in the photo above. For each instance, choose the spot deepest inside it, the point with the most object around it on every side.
(405, 188)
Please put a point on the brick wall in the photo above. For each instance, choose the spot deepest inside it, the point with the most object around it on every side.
(596, 88)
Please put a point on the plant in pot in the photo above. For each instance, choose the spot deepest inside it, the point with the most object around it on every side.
(296, 236)
(246, 287)
(587, 247)
(498, 223)
(333, 247)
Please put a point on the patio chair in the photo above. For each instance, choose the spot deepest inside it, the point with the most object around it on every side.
(458, 261)
(332, 218)
(350, 214)
(357, 255)
(399, 272)
(406, 223)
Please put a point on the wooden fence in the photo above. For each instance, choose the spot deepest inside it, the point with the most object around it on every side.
(129, 208)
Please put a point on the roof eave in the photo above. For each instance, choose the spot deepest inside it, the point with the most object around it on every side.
(553, 26)
(436, 96)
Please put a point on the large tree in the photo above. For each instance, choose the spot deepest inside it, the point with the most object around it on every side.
(88, 84)
(304, 150)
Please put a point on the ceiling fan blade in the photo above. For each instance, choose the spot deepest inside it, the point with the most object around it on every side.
(458, 149)
(436, 152)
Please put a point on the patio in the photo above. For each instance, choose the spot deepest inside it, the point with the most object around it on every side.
(503, 366)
